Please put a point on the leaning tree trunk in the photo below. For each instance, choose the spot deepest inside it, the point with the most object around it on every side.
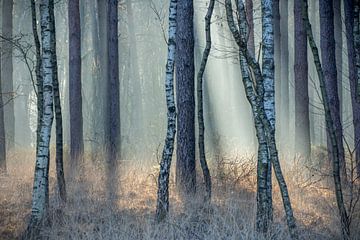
(2, 132)
(7, 72)
(59, 159)
(162, 205)
(202, 156)
(349, 26)
(185, 99)
(356, 32)
(336, 156)
(40, 197)
(268, 68)
(327, 44)
(302, 120)
(75, 101)
(262, 117)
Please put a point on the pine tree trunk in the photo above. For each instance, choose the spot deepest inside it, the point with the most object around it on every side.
(185, 99)
(7, 73)
(2, 132)
(356, 32)
(284, 42)
(162, 205)
(330, 126)
(112, 127)
(75, 101)
(40, 197)
(302, 120)
(349, 25)
(327, 45)
(202, 156)
(338, 31)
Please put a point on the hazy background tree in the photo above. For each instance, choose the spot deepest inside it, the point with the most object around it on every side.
(75, 95)
(7, 72)
(302, 121)
(2, 132)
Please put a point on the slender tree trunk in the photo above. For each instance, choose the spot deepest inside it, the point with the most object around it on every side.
(268, 69)
(338, 49)
(7, 72)
(75, 101)
(202, 156)
(40, 197)
(331, 127)
(185, 73)
(112, 127)
(58, 115)
(162, 206)
(284, 42)
(349, 26)
(302, 120)
(356, 32)
(261, 117)
(327, 44)
(277, 61)
(2, 132)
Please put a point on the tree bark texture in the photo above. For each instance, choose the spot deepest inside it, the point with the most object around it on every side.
(185, 99)
(201, 141)
(162, 206)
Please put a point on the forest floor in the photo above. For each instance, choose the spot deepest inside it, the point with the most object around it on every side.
(89, 215)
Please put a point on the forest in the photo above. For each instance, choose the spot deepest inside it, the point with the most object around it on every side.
(180, 119)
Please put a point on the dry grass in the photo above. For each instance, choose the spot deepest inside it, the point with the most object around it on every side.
(89, 215)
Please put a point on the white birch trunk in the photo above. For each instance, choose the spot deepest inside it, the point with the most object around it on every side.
(40, 195)
(162, 206)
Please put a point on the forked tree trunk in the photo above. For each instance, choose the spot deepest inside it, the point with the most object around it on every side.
(257, 97)
(162, 205)
(202, 156)
(336, 156)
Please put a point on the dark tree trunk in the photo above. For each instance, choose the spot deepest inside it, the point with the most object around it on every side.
(185, 99)
(277, 61)
(327, 44)
(112, 127)
(338, 50)
(59, 158)
(75, 99)
(302, 121)
(349, 25)
(7, 72)
(250, 21)
(2, 132)
(330, 126)
(202, 155)
(284, 42)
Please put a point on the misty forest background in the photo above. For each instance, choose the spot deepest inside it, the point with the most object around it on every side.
(153, 119)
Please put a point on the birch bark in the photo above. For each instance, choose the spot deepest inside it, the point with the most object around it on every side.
(162, 206)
